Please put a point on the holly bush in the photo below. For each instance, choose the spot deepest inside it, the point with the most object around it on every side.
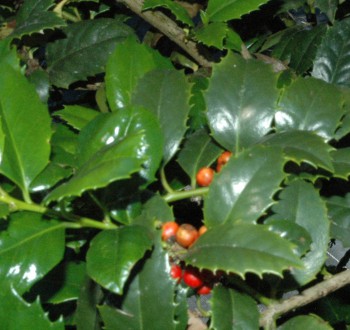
(109, 109)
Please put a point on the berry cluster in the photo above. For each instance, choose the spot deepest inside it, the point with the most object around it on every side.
(205, 175)
(185, 235)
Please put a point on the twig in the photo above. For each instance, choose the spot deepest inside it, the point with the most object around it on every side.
(167, 26)
(314, 293)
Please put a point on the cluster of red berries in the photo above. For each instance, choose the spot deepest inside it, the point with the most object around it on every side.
(205, 175)
(185, 235)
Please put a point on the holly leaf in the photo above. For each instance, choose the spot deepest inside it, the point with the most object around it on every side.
(306, 322)
(212, 34)
(310, 105)
(166, 93)
(113, 254)
(332, 59)
(245, 186)
(241, 110)
(30, 248)
(341, 163)
(242, 248)
(301, 203)
(85, 51)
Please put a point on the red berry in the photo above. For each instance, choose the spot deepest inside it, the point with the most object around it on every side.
(204, 289)
(192, 278)
(222, 160)
(202, 230)
(169, 229)
(205, 176)
(186, 235)
(176, 272)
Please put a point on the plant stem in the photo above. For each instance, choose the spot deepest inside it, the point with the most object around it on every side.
(320, 290)
(164, 181)
(179, 195)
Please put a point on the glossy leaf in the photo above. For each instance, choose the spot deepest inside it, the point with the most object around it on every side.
(242, 248)
(29, 249)
(113, 254)
(298, 47)
(221, 11)
(303, 146)
(329, 7)
(306, 322)
(339, 215)
(127, 64)
(244, 187)
(23, 155)
(199, 150)
(166, 93)
(241, 110)
(149, 300)
(333, 55)
(301, 203)
(180, 12)
(310, 105)
(85, 50)
(212, 34)
(32, 7)
(76, 115)
(16, 313)
(233, 310)
(37, 23)
(341, 162)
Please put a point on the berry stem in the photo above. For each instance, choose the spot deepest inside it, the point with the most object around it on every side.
(180, 195)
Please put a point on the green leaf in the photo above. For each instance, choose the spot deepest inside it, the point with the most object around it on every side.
(199, 151)
(16, 313)
(166, 93)
(8, 54)
(244, 187)
(305, 322)
(149, 301)
(233, 310)
(303, 146)
(242, 248)
(341, 163)
(126, 65)
(40, 79)
(32, 7)
(85, 50)
(26, 126)
(37, 23)
(221, 11)
(76, 115)
(310, 105)
(301, 203)
(339, 215)
(241, 110)
(332, 58)
(30, 248)
(212, 34)
(179, 11)
(112, 147)
(86, 315)
(113, 254)
(298, 47)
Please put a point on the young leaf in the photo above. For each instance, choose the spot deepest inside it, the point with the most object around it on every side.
(85, 50)
(149, 300)
(16, 313)
(30, 248)
(113, 254)
(200, 150)
(303, 146)
(301, 203)
(233, 310)
(126, 65)
(242, 248)
(243, 190)
(166, 93)
(332, 59)
(26, 126)
(310, 105)
(241, 110)
(221, 11)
